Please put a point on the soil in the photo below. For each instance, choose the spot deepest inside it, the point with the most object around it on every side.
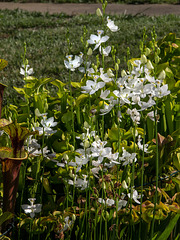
(81, 8)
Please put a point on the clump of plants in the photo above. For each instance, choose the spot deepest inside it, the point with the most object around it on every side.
(100, 160)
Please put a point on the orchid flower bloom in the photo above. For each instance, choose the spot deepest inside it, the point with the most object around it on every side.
(72, 64)
(47, 125)
(122, 202)
(93, 86)
(105, 51)
(104, 76)
(140, 146)
(111, 25)
(135, 196)
(97, 39)
(127, 158)
(25, 70)
(32, 208)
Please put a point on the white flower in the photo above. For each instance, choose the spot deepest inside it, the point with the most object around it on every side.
(135, 115)
(47, 125)
(25, 70)
(79, 182)
(104, 76)
(32, 208)
(109, 202)
(135, 196)
(105, 51)
(111, 25)
(72, 64)
(128, 158)
(67, 223)
(92, 86)
(97, 39)
(162, 91)
(151, 115)
(140, 146)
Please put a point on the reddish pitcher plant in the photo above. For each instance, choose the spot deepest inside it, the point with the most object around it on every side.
(11, 159)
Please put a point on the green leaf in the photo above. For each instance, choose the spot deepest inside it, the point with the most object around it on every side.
(3, 64)
(76, 84)
(66, 117)
(81, 98)
(20, 90)
(169, 228)
(6, 216)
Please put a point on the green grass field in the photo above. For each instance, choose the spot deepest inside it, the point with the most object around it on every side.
(45, 36)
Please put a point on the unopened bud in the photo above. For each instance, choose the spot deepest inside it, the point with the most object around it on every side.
(128, 181)
(116, 67)
(65, 157)
(89, 52)
(157, 59)
(103, 185)
(124, 184)
(147, 51)
(107, 215)
(73, 217)
(86, 144)
(158, 50)
(110, 73)
(86, 125)
(149, 65)
(143, 59)
(162, 75)
(98, 12)
(123, 73)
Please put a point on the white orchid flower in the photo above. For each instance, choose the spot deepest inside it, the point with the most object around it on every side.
(135, 196)
(26, 71)
(72, 64)
(92, 86)
(105, 51)
(97, 39)
(32, 208)
(47, 125)
(111, 25)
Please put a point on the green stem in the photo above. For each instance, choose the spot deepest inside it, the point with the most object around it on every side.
(157, 173)
(72, 109)
(142, 178)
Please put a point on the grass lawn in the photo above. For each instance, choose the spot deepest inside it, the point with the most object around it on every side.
(46, 39)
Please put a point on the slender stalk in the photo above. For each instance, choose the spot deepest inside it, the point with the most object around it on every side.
(157, 173)
(72, 109)
(142, 178)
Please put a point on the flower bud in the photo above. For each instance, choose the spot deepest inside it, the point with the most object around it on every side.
(116, 66)
(128, 181)
(162, 75)
(110, 73)
(65, 156)
(98, 12)
(86, 125)
(149, 65)
(86, 144)
(107, 215)
(89, 52)
(123, 73)
(124, 184)
(103, 185)
(147, 52)
(157, 59)
(158, 50)
(143, 59)
(118, 61)
(73, 217)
